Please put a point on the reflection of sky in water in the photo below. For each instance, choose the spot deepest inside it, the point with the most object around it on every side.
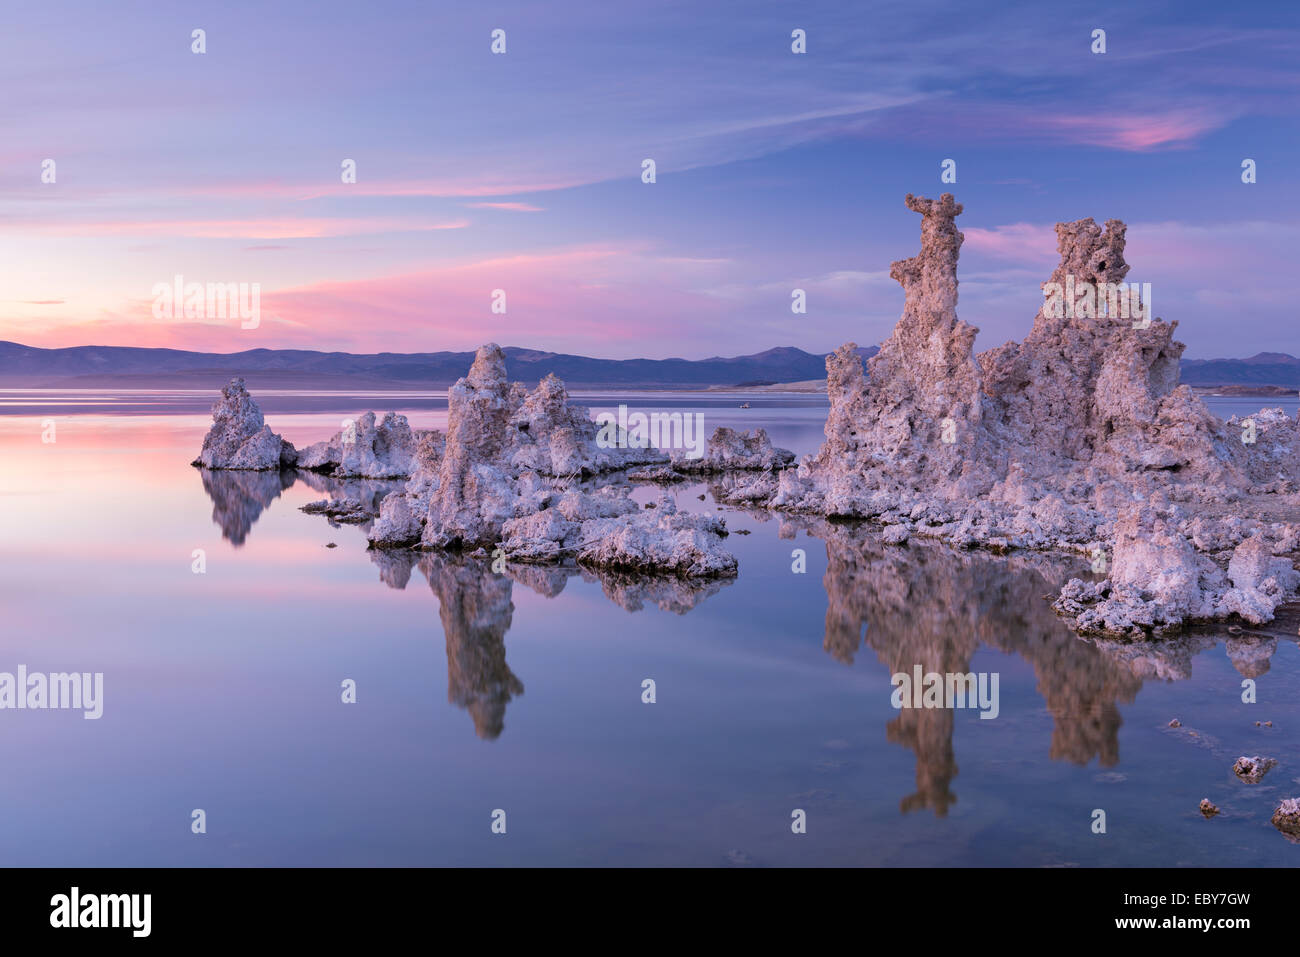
(477, 692)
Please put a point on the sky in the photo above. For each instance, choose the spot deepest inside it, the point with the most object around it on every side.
(522, 171)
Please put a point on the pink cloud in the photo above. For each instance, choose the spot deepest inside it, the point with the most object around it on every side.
(1133, 130)
(1018, 242)
(1192, 252)
(591, 299)
(1138, 133)
(467, 187)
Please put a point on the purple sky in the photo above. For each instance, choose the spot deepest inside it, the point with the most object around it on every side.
(522, 171)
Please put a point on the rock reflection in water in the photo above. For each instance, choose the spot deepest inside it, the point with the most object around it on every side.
(369, 492)
(921, 604)
(928, 605)
(240, 497)
(476, 608)
(1170, 659)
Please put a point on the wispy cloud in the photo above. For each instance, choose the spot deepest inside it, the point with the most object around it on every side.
(285, 228)
(508, 207)
(1018, 242)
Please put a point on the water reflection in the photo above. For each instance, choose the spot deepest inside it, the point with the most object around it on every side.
(476, 608)
(474, 601)
(239, 498)
(926, 604)
(921, 604)
(1171, 658)
(368, 493)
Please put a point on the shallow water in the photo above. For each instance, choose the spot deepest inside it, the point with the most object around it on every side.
(522, 692)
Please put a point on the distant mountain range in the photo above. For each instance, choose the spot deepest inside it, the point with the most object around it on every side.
(125, 367)
(121, 366)
(1271, 369)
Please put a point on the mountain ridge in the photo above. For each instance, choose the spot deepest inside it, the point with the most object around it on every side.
(121, 365)
(87, 364)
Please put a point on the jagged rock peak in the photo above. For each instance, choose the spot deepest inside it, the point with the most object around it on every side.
(239, 437)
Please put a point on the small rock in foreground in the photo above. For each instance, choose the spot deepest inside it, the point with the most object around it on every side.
(1286, 818)
(1252, 769)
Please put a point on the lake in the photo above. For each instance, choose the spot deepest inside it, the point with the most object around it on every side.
(479, 692)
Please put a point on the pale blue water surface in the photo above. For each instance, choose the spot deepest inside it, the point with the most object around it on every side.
(522, 692)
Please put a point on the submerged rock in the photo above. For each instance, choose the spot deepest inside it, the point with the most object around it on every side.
(1286, 818)
(348, 511)
(240, 438)
(1252, 770)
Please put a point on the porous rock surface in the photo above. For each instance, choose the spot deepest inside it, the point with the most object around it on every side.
(239, 437)
(656, 473)
(366, 449)
(1286, 818)
(608, 531)
(508, 476)
(509, 473)
(730, 450)
(1252, 769)
(1080, 437)
(549, 436)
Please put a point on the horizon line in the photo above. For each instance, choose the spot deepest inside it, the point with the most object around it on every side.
(91, 345)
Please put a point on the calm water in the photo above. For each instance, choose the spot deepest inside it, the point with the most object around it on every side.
(522, 692)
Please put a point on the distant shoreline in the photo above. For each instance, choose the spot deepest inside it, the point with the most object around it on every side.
(819, 385)
(806, 386)
(782, 369)
(1252, 391)
(273, 381)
